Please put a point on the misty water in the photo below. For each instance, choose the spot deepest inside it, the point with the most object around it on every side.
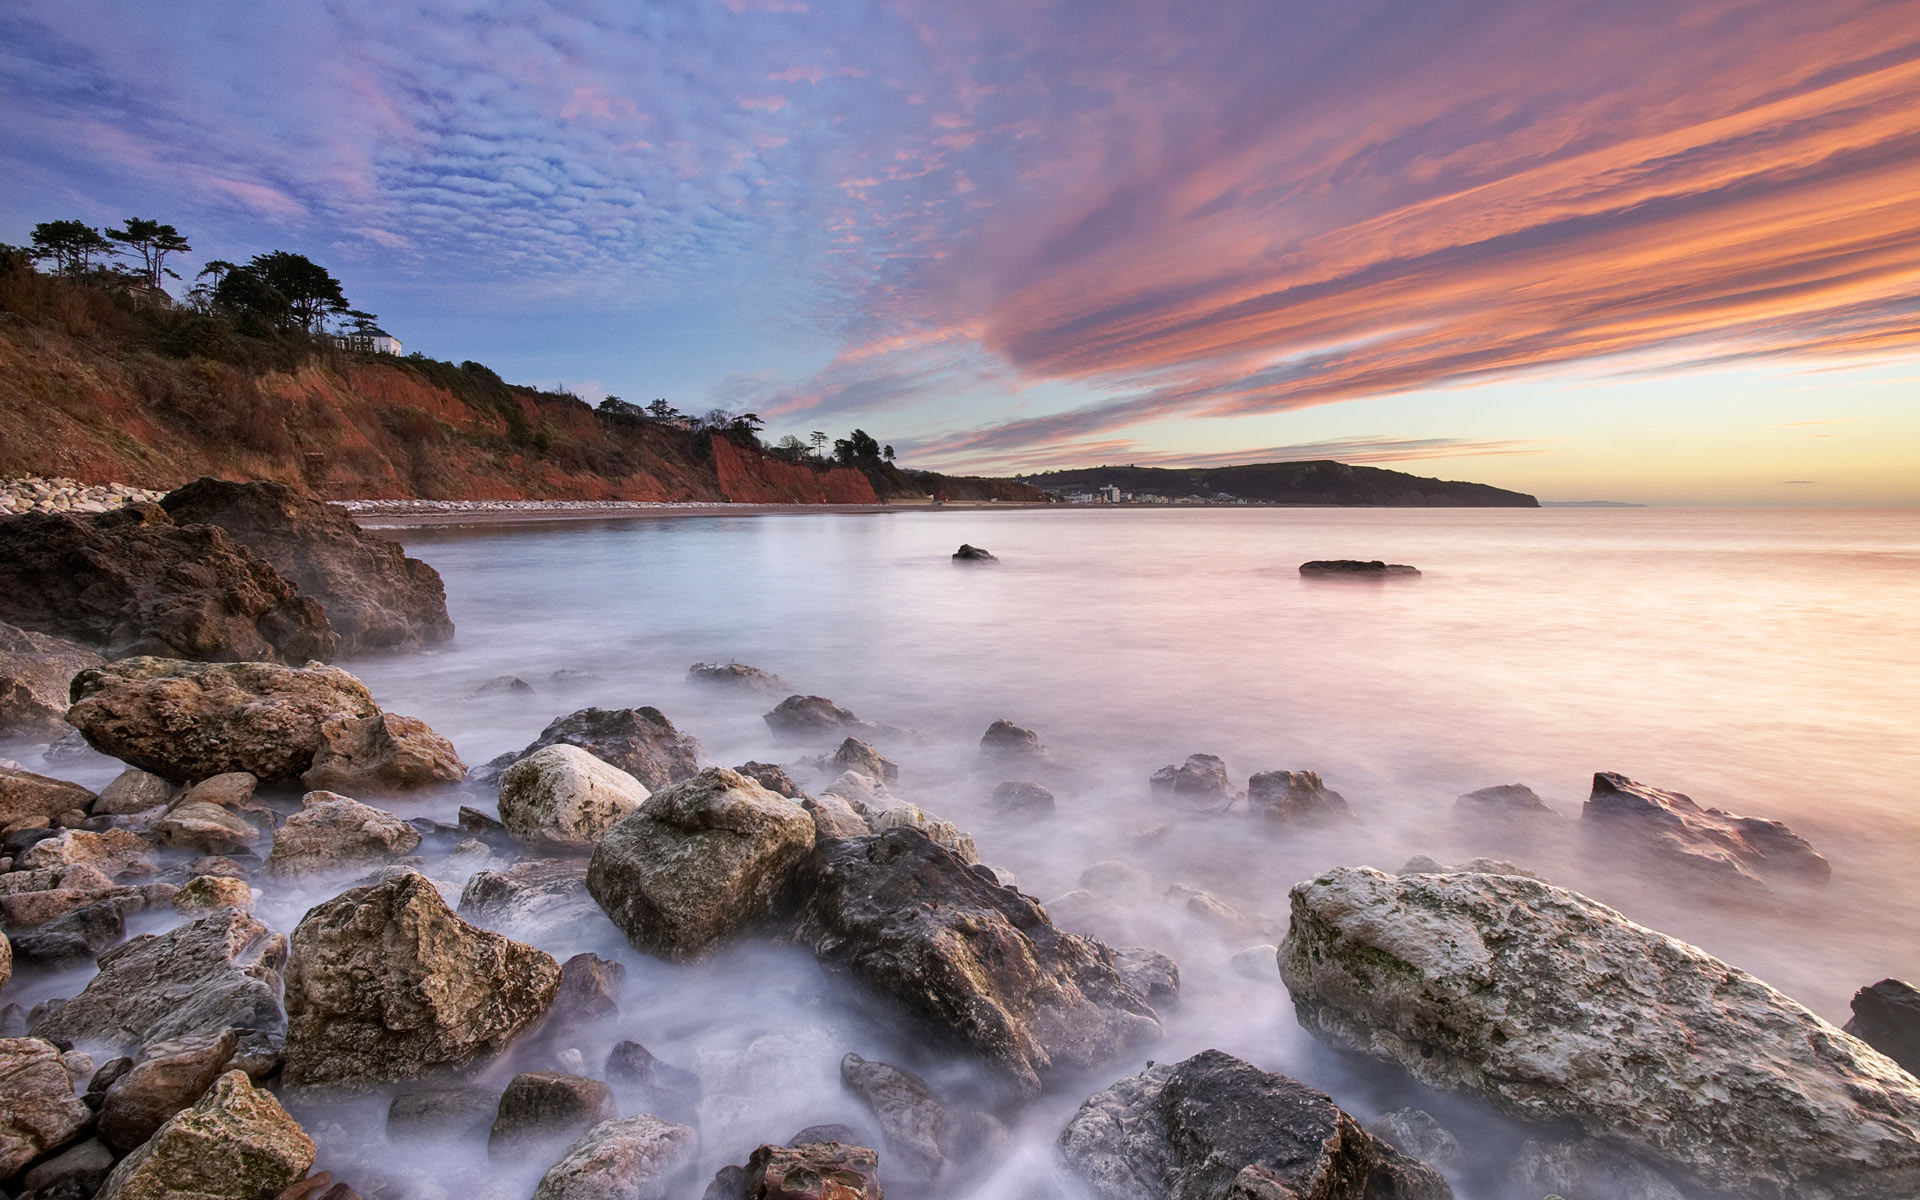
(1765, 662)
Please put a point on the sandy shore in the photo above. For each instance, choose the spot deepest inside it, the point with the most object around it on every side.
(414, 514)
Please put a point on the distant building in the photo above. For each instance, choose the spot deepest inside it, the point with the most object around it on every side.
(1111, 493)
(373, 341)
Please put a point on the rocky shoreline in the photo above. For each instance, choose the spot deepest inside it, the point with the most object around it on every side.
(183, 1039)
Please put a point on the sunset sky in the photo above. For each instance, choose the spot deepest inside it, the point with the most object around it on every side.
(1656, 251)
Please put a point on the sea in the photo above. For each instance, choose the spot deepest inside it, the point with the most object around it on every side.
(1764, 662)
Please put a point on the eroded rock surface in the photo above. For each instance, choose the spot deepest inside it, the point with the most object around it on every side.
(26, 797)
(1554, 1007)
(1672, 833)
(236, 1143)
(333, 834)
(699, 862)
(376, 597)
(974, 962)
(1201, 781)
(1217, 1128)
(187, 721)
(379, 754)
(564, 798)
(386, 984)
(38, 1110)
(639, 1158)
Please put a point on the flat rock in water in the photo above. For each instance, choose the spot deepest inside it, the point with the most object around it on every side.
(132, 582)
(974, 963)
(739, 676)
(35, 669)
(376, 597)
(533, 898)
(385, 984)
(1217, 1128)
(186, 721)
(1354, 568)
(1668, 831)
(219, 972)
(1554, 1007)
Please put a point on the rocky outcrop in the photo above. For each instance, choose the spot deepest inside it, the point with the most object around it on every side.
(1217, 1128)
(1354, 568)
(334, 834)
(1670, 833)
(205, 893)
(740, 677)
(810, 718)
(187, 721)
(217, 973)
(1295, 798)
(131, 582)
(38, 1110)
(380, 754)
(563, 798)
(1201, 782)
(35, 669)
(133, 791)
(772, 777)
(237, 1143)
(639, 1158)
(376, 597)
(639, 741)
(974, 963)
(1554, 1007)
(1886, 1016)
(1151, 974)
(206, 827)
(385, 984)
(27, 798)
(699, 862)
(74, 937)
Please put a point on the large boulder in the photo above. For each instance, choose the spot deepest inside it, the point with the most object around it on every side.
(168, 1077)
(333, 834)
(1672, 834)
(237, 1143)
(1886, 1016)
(216, 973)
(639, 1158)
(807, 1171)
(975, 963)
(546, 1106)
(35, 669)
(562, 797)
(187, 721)
(38, 1110)
(699, 862)
(1554, 1007)
(376, 597)
(1217, 1128)
(379, 754)
(1295, 798)
(26, 798)
(639, 741)
(132, 582)
(386, 984)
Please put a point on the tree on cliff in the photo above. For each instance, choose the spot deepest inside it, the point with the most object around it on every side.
(857, 449)
(152, 241)
(70, 244)
(282, 287)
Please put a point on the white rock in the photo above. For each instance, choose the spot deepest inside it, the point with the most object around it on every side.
(564, 797)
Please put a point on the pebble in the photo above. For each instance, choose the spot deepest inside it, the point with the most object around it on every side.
(34, 494)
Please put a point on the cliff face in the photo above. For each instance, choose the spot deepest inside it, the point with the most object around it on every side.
(95, 395)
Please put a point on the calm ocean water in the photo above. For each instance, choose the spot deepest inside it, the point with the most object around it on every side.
(1765, 662)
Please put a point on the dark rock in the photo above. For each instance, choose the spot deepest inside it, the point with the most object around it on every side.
(545, 1106)
(771, 777)
(659, 1087)
(74, 938)
(131, 582)
(38, 1110)
(740, 676)
(385, 984)
(968, 553)
(78, 1170)
(1886, 1016)
(376, 597)
(729, 1183)
(1150, 974)
(1506, 803)
(1216, 1128)
(1295, 798)
(25, 796)
(639, 1158)
(640, 741)
(590, 988)
(169, 1076)
(1004, 739)
(1020, 797)
(1353, 568)
(187, 721)
(35, 669)
(1201, 781)
(217, 973)
(799, 718)
(435, 1114)
(504, 685)
(319, 1186)
(815, 1171)
(478, 822)
(699, 862)
(1669, 832)
(973, 962)
(812, 1135)
(925, 1141)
